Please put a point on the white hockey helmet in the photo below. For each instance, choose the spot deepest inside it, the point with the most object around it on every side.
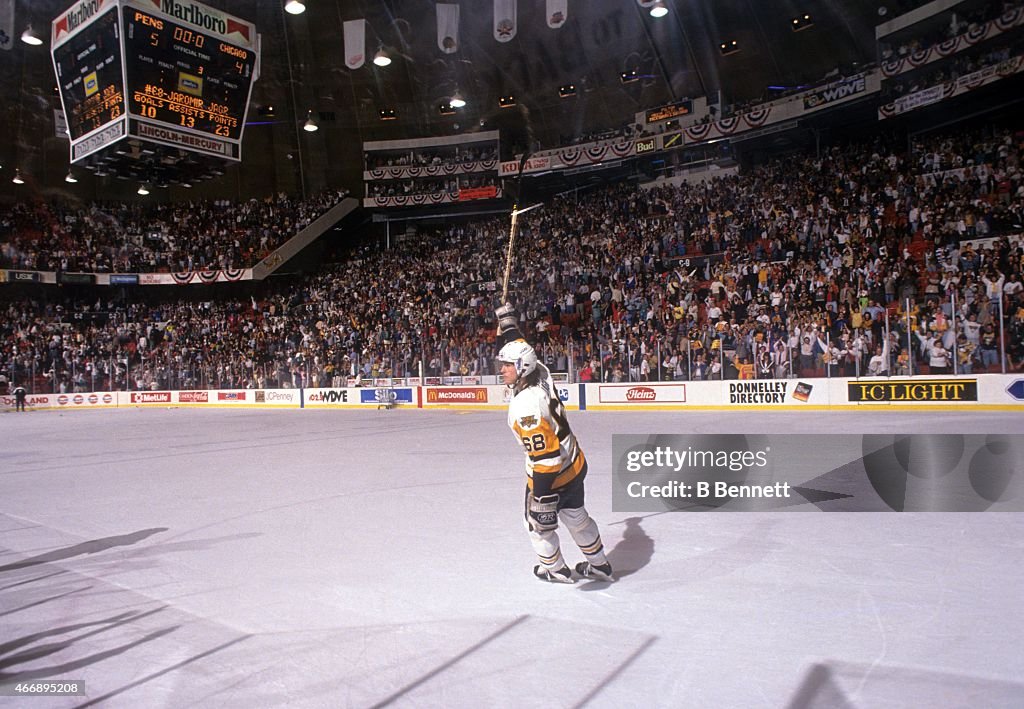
(519, 354)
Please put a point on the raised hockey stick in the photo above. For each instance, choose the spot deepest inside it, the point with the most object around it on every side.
(512, 227)
(511, 240)
(516, 199)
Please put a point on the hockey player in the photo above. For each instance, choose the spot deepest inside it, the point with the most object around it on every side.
(555, 465)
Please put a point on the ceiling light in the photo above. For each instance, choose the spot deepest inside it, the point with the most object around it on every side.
(17, 177)
(71, 177)
(29, 36)
(381, 58)
(457, 101)
(310, 125)
(295, 7)
(659, 9)
(143, 190)
(801, 23)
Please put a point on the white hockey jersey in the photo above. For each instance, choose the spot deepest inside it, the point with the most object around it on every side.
(537, 418)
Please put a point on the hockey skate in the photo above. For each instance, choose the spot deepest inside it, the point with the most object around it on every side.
(602, 572)
(562, 575)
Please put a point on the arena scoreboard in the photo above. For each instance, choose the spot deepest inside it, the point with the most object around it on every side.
(173, 72)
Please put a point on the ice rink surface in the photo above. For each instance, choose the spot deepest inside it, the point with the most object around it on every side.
(313, 558)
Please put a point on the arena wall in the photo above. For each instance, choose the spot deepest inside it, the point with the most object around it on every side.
(990, 392)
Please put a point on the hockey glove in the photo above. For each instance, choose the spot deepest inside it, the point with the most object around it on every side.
(508, 319)
(544, 513)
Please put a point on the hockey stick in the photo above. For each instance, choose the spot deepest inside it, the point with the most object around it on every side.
(511, 240)
(512, 227)
(527, 151)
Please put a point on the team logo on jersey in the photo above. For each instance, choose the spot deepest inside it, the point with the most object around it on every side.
(528, 421)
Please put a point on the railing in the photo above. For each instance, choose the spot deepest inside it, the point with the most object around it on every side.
(931, 334)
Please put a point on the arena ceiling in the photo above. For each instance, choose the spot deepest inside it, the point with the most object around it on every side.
(303, 70)
(676, 56)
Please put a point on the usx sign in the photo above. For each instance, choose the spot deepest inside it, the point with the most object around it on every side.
(641, 394)
(15, 276)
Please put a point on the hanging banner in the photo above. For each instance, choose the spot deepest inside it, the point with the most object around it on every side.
(558, 12)
(504, 20)
(60, 124)
(6, 24)
(355, 43)
(448, 27)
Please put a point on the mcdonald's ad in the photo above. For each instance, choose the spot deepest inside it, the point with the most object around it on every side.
(457, 395)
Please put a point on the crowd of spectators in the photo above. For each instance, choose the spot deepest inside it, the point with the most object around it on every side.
(148, 238)
(423, 157)
(977, 150)
(961, 20)
(962, 64)
(860, 260)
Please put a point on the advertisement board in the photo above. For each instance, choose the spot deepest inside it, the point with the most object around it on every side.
(277, 397)
(913, 391)
(149, 397)
(641, 393)
(387, 395)
(62, 401)
(327, 398)
(456, 395)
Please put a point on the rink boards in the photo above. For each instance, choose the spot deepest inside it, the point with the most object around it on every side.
(992, 392)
